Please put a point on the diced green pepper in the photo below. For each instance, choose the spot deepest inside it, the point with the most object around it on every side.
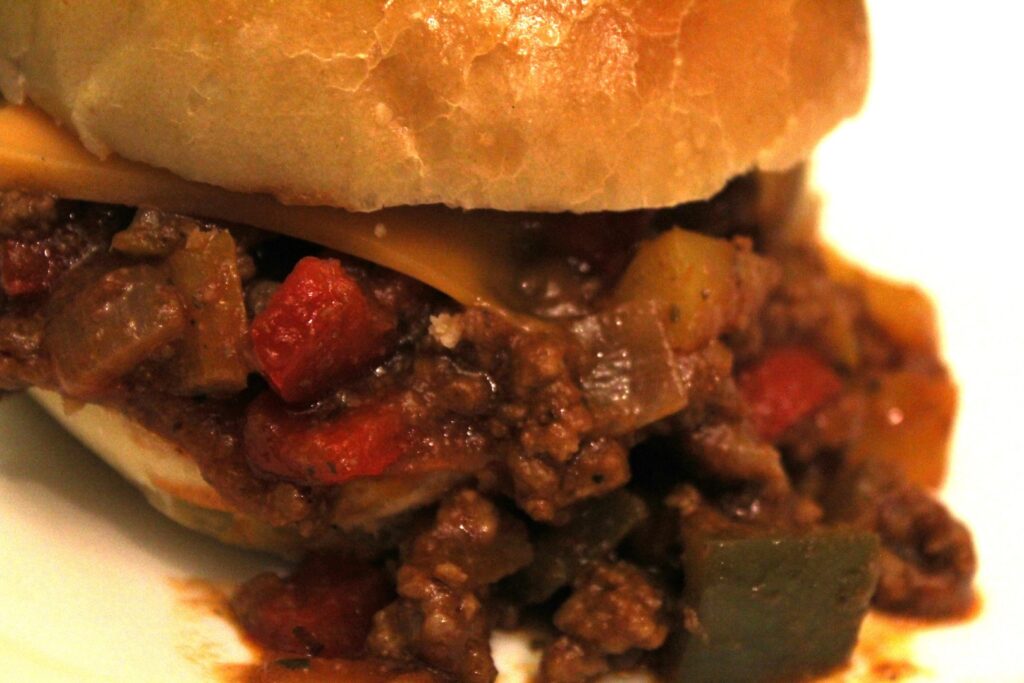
(777, 607)
(562, 552)
(205, 271)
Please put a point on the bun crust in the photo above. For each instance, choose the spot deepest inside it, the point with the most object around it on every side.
(533, 105)
(165, 474)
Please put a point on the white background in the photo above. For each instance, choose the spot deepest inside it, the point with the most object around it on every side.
(927, 184)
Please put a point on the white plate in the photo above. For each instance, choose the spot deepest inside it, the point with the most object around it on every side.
(924, 185)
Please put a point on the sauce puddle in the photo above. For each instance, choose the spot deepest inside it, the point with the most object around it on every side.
(207, 635)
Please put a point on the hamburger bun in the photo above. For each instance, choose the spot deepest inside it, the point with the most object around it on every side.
(514, 106)
(163, 472)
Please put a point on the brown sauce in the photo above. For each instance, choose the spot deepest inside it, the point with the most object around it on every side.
(198, 600)
(289, 670)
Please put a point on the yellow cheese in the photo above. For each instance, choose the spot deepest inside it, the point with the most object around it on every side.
(468, 255)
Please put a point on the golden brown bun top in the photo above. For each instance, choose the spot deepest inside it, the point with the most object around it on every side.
(509, 104)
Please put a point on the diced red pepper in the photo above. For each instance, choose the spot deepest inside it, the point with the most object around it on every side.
(789, 384)
(32, 266)
(324, 608)
(309, 449)
(24, 268)
(317, 329)
(28, 267)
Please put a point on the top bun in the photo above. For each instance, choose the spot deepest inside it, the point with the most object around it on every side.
(511, 104)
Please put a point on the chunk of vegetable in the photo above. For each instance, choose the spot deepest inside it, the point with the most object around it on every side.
(153, 234)
(908, 425)
(708, 285)
(25, 268)
(561, 553)
(903, 311)
(317, 329)
(205, 271)
(730, 452)
(309, 449)
(30, 267)
(324, 608)
(634, 378)
(777, 607)
(787, 385)
(97, 335)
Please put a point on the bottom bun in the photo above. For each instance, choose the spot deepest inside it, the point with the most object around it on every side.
(165, 473)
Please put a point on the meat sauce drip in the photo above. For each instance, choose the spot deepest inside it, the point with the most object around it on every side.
(706, 392)
(324, 608)
(309, 670)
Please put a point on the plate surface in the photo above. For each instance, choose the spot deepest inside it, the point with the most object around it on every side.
(94, 585)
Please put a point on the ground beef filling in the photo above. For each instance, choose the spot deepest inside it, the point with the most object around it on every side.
(485, 473)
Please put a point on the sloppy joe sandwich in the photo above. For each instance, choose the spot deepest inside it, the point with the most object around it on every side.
(498, 314)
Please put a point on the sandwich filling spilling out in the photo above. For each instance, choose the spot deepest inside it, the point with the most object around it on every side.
(690, 440)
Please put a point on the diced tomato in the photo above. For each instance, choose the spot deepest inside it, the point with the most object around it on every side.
(789, 384)
(27, 268)
(324, 608)
(317, 329)
(310, 449)
(24, 268)
(32, 266)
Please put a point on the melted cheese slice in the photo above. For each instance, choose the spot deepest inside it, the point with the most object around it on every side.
(467, 255)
